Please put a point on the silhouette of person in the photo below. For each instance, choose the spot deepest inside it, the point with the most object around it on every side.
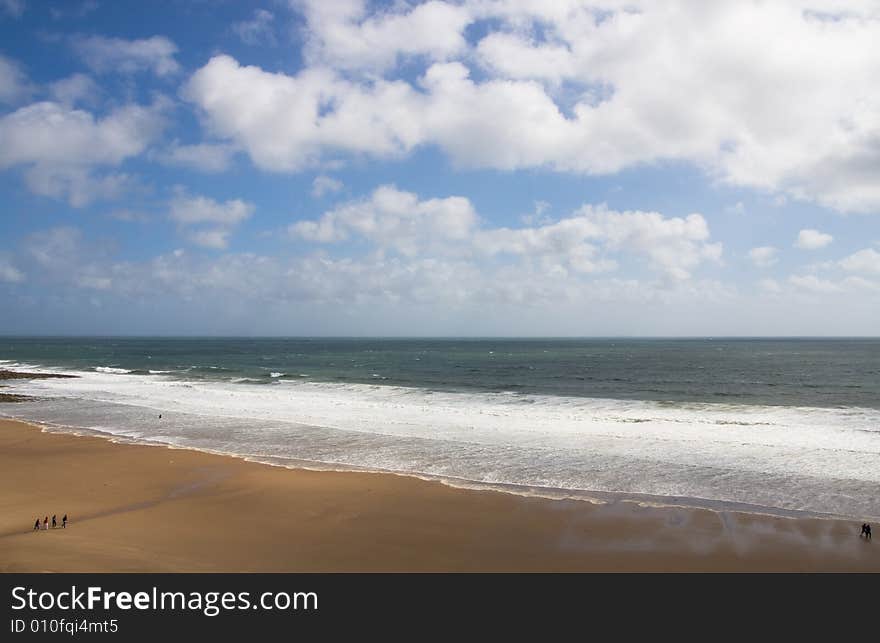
(37, 525)
(54, 522)
(64, 522)
(46, 522)
(867, 531)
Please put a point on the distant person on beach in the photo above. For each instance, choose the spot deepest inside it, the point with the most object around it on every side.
(46, 522)
(866, 531)
(37, 525)
(64, 522)
(160, 416)
(54, 522)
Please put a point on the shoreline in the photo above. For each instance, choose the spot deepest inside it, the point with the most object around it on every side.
(798, 498)
(134, 507)
(525, 491)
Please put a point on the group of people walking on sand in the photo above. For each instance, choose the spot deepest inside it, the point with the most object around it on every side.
(54, 522)
(866, 531)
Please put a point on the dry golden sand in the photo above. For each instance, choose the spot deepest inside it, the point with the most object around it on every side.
(146, 508)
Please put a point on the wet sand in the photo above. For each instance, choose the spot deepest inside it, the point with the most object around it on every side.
(146, 508)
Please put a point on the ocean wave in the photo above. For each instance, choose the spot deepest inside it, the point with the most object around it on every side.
(113, 369)
(813, 456)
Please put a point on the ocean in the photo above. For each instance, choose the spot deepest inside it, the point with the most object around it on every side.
(776, 425)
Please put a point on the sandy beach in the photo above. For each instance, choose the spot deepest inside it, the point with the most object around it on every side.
(146, 508)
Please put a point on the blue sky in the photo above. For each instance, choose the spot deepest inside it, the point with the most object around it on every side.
(483, 167)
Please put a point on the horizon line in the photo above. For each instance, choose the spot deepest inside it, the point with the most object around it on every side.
(403, 337)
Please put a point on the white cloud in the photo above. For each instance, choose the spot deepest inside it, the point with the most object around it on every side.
(287, 122)
(450, 228)
(864, 261)
(382, 290)
(674, 245)
(214, 221)
(80, 186)
(740, 100)
(8, 272)
(258, 30)
(13, 84)
(78, 88)
(512, 56)
(50, 133)
(815, 284)
(812, 239)
(325, 185)
(394, 219)
(343, 35)
(204, 157)
(117, 55)
(60, 148)
(199, 209)
(375, 278)
(216, 238)
(764, 256)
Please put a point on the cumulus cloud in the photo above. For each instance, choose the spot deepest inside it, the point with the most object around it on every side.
(80, 186)
(812, 239)
(394, 219)
(61, 147)
(13, 84)
(815, 284)
(117, 55)
(8, 272)
(61, 256)
(204, 157)
(442, 292)
(768, 96)
(258, 30)
(78, 88)
(47, 132)
(513, 56)
(864, 261)
(287, 123)
(763, 257)
(325, 185)
(391, 219)
(343, 34)
(199, 209)
(207, 222)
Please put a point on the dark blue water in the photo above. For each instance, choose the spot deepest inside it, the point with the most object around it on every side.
(792, 372)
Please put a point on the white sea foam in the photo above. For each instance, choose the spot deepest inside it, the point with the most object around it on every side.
(112, 369)
(275, 374)
(803, 458)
